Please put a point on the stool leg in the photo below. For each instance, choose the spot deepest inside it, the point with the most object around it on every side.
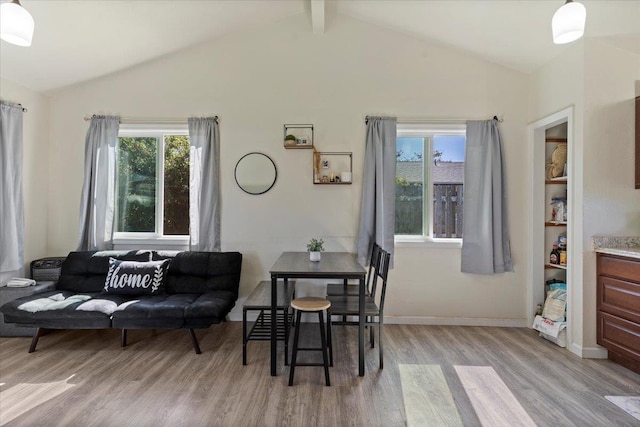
(244, 337)
(294, 355)
(329, 338)
(323, 342)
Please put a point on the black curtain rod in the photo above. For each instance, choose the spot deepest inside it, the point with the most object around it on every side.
(499, 120)
(147, 120)
(24, 110)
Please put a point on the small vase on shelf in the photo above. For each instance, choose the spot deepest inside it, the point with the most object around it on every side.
(314, 256)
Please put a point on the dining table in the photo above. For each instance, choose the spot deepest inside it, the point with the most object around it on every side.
(332, 265)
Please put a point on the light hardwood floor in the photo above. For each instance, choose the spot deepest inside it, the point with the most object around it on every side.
(84, 378)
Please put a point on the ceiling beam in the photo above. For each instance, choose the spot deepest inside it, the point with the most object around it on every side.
(317, 16)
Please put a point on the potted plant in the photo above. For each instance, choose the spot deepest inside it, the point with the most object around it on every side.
(289, 140)
(315, 246)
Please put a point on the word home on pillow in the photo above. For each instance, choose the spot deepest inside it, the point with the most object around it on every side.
(136, 278)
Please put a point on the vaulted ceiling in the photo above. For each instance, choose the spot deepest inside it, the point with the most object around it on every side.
(76, 41)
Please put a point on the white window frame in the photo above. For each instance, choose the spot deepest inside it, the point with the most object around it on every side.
(155, 238)
(427, 132)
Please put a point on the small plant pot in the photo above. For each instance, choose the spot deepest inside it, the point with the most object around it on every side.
(314, 256)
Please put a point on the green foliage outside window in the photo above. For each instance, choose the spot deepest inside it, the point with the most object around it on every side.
(137, 182)
(176, 185)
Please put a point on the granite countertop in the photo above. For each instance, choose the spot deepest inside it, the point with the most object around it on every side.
(628, 246)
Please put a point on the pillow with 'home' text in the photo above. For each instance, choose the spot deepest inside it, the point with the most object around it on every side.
(136, 278)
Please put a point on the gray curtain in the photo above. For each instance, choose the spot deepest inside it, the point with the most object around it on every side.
(97, 203)
(204, 184)
(11, 197)
(485, 240)
(378, 205)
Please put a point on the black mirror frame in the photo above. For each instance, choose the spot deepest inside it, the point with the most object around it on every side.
(275, 178)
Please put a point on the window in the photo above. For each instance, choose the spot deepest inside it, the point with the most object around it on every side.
(429, 182)
(152, 183)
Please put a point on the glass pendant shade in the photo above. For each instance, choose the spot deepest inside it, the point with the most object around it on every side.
(568, 22)
(16, 24)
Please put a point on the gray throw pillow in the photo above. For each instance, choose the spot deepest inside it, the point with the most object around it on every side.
(136, 278)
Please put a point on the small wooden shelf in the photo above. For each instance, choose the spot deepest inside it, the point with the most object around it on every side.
(558, 180)
(555, 140)
(303, 135)
(556, 223)
(332, 164)
(332, 183)
(555, 266)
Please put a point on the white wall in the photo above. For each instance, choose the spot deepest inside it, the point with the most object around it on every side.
(599, 80)
(611, 204)
(34, 169)
(556, 86)
(260, 79)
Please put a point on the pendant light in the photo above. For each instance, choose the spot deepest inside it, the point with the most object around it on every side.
(16, 24)
(568, 22)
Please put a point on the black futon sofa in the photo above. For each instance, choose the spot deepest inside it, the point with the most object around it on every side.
(134, 290)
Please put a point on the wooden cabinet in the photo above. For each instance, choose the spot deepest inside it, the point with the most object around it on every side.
(618, 305)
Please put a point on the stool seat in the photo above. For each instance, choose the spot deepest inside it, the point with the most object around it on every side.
(310, 304)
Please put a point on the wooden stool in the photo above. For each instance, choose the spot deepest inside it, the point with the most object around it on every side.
(310, 305)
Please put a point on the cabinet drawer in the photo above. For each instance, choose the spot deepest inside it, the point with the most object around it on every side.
(619, 335)
(621, 268)
(619, 297)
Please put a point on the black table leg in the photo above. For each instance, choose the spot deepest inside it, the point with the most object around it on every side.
(274, 338)
(361, 329)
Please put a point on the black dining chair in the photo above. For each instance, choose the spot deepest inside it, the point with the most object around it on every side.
(352, 289)
(348, 305)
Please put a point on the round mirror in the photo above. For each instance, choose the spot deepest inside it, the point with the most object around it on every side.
(256, 173)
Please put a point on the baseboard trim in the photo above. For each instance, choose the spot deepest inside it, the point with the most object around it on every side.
(583, 352)
(455, 321)
(589, 352)
(416, 320)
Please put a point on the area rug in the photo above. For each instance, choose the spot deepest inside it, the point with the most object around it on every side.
(629, 404)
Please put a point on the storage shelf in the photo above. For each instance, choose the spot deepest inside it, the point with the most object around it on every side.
(558, 180)
(303, 135)
(555, 140)
(554, 266)
(556, 223)
(332, 164)
(332, 183)
(299, 147)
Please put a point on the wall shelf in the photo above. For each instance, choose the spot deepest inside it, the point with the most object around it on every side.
(303, 135)
(332, 168)
(555, 266)
(557, 180)
(556, 223)
(555, 140)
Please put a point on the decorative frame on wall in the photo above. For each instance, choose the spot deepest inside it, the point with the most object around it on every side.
(298, 136)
